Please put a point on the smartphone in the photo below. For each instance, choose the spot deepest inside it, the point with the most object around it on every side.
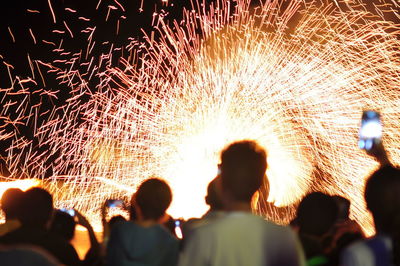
(371, 130)
(71, 212)
(112, 203)
(178, 230)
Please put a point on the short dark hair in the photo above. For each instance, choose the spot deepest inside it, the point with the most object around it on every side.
(316, 214)
(243, 166)
(213, 199)
(38, 207)
(381, 194)
(11, 202)
(153, 197)
(63, 225)
(116, 219)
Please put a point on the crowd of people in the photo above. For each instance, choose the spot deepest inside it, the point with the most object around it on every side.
(229, 234)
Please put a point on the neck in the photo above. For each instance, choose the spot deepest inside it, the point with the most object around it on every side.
(216, 210)
(146, 223)
(239, 206)
(8, 218)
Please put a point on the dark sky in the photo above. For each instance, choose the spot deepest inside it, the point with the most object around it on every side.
(23, 19)
(28, 32)
(32, 31)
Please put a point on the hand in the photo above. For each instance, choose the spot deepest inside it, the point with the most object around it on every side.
(379, 153)
(106, 228)
(82, 220)
(94, 244)
(104, 211)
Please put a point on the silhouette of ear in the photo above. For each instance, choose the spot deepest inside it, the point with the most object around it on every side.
(254, 200)
(207, 198)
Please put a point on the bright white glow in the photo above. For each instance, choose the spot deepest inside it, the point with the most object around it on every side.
(21, 184)
(372, 129)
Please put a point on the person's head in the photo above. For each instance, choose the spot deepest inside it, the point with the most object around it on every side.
(343, 205)
(116, 219)
(243, 166)
(63, 225)
(152, 199)
(11, 203)
(37, 207)
(316, 214)
(381, 194)
(213, 198)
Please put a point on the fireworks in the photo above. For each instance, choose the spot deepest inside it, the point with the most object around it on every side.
(292, 75)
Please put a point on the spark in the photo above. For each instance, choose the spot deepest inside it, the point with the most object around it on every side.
(120, 6)
(117, 31)
(84, 19)
(32, 11)
(12, 35)
(69, 30)
(70, 10)
(226, 72)
(141, 6)
(59, 31)
(33, 36)
(48, 42)
(98, 5)
(52, 11)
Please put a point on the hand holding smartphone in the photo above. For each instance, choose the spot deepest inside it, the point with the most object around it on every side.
(113, 203)
(178, 229)
(71, 212)
(370, 137)
(370, 134)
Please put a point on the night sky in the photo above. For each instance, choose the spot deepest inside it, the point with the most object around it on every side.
(24, 17)
(28, 32)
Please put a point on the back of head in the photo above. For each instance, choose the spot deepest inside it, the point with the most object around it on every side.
(63, 225)
(153, 198)
(243, 166)
(382, 197)
(115, 219)
(213, 199)
(343, 205)
(316, 214)
(38, 207)
(11, 202)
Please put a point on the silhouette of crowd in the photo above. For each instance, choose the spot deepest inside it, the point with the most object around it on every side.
(229, 234)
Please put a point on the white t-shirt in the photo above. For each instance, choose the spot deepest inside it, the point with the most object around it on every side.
(241, 238)
(370, 252)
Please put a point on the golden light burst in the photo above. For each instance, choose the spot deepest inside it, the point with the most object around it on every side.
(293, 75)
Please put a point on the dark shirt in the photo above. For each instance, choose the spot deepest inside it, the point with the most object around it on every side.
(55, 245)
(26, 256)
(314, 251)
(135, 245)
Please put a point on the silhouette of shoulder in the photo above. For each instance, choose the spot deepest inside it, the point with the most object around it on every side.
(241, 238)
(54, 244)
(138, 245)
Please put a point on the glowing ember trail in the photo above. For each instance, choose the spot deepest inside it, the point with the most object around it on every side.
(293, 75)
